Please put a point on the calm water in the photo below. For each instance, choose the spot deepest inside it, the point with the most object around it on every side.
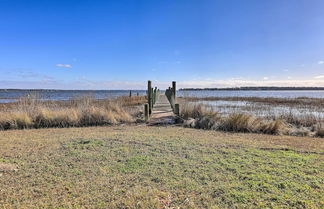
(259, 109)
(280, 94)
(11, 96)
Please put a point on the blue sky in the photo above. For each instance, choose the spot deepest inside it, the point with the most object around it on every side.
(119, 44)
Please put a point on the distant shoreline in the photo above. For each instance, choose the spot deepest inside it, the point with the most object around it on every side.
(258, 88)
(54, 90)
(248, 88)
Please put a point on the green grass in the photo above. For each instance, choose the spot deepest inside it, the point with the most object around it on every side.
(152, 167)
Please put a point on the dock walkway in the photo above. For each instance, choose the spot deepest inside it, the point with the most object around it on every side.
(162, 112)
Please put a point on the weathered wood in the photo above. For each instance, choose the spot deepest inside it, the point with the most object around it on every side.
(162, 112)
(176, 109)
(149, 95)
(155, 95)
(174, 90)
(146, 112)
(169, 95)
(152, 96)
(130, 93)
(163, 107)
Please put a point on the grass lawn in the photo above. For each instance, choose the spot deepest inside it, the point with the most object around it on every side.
(158, 167)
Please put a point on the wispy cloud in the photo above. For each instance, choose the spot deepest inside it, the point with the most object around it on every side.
(265, 78)
(238, 83)
(64, 65)
(319, 77)
(321, 62)
(33, 75)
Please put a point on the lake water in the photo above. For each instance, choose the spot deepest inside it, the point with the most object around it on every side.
(260, 109)
(13, 95)
(280, 94)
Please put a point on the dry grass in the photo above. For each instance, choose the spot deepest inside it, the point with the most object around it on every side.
(206, 118)
(158, 167)
(319, 130)
(300, 112)
(289, 102)
(304, 120)
(7, 167)
(33, 113)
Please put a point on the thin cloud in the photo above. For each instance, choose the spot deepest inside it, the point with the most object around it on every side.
(319, 77)
(238, 83)
(265, 78)
(64, 65)
(33, 75)
(321, 62)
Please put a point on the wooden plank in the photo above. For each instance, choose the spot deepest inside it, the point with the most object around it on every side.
(162, 112)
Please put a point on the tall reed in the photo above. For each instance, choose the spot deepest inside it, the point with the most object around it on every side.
(32, 112)
(199, 116)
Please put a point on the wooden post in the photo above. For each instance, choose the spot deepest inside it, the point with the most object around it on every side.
(169, 95)
(155, 95)
(149, 96)
(174, 89)
(176, 109)
(146, 111)
(130, 93)
(152, 99)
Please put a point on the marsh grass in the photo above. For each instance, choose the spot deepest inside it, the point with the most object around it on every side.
(32, 112)
(293, 116)
(200, 116)
(291, 102)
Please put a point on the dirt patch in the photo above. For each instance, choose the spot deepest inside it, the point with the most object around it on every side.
(7, 167)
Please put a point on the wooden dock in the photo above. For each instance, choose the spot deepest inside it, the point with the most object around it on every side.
(161, 109)
(162, 112)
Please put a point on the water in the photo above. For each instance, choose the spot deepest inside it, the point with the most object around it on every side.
(12, 95)
(278, 94)
(224, 107)
(259, 109)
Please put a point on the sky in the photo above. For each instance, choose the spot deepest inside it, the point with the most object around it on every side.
(120, 44)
